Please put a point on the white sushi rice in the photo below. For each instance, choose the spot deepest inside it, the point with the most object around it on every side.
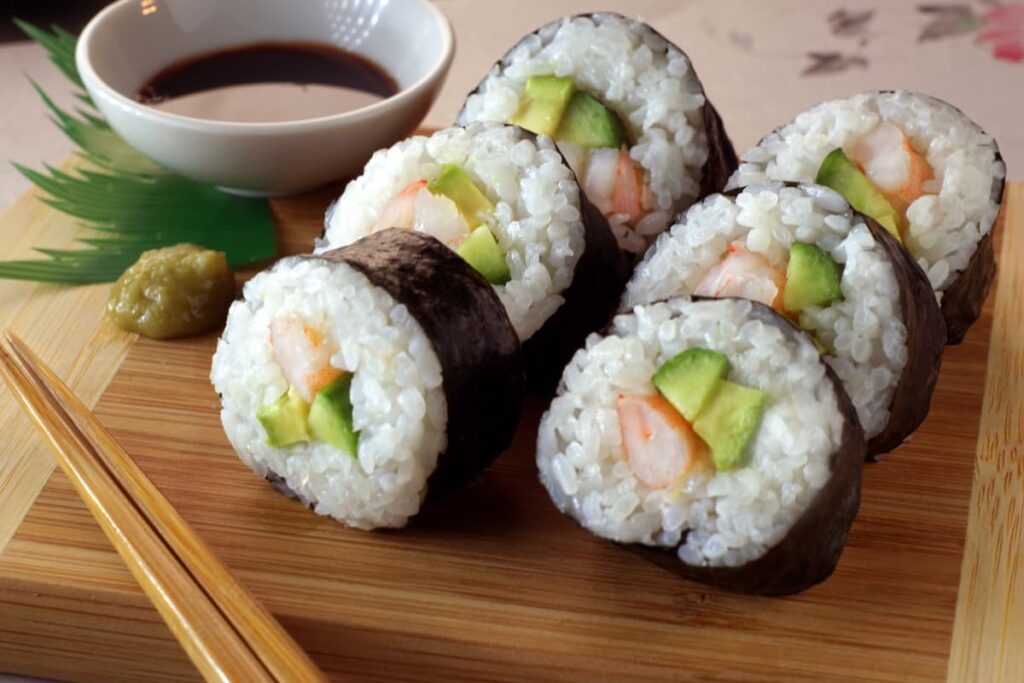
(635, 72)
(399, 406)
(537, 218)
(728, 517)
(864, 330)
(945, 225)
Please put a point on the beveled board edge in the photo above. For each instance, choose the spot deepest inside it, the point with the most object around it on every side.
(988, 628)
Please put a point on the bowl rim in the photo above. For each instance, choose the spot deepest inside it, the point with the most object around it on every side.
(405, 96)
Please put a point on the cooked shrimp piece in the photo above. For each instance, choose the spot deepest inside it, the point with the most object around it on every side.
(628, 198)
(885, 155)
(302, 355)
(599, 179)
(400, 211)
(660, 445)
(575, 156)
(418, 208)
(438, 216)
(744, 274)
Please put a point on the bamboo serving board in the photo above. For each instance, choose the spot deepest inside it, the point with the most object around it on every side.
(493, 583)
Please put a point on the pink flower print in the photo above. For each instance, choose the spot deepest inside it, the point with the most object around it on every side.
(1004, 29)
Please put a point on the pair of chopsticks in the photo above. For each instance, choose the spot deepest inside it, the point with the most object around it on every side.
(227, 634)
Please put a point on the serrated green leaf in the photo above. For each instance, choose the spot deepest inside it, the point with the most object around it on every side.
(60, 45)
(131, 203)
(67, 272)
(97, 141)
(139, 213)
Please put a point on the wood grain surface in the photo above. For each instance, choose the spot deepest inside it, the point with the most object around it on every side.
(66, 325)
(493, 583)
(989, 631)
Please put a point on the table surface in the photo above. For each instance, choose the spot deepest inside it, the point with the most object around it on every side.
(761, 63)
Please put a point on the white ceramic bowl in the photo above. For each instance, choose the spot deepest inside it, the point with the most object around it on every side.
(131, 40)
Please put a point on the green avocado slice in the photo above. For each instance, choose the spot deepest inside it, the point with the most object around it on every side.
(544, 101)
(455, 184)
(284, 420)
(812, 278)
(482, 252)
(689, 378)
(588, 123)
(843, 176)
(330, 416)
(729, 421)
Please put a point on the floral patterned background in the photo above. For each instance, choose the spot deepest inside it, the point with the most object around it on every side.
(999, 25)
(764, 61)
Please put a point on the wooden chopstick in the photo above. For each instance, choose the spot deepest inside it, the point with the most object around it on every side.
(226, 633)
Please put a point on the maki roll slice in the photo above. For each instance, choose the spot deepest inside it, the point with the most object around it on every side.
(360, 380)
(507, 203)
(627, 110)
(837, 273)
(710, 436)
(916, 164)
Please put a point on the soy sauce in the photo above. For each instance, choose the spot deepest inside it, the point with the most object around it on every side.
(268, 81)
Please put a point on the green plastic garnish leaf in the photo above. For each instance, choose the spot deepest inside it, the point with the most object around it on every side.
(130, 202)
(97, 142)
(60, 45)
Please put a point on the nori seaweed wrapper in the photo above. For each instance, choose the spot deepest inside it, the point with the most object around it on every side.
(810, 550)
(589, 301)
(926, 339)
(479, 351)
(963, 300)
(721, 161)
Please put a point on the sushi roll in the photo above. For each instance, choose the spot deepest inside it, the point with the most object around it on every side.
(627, 110)
(845, 279)
(711, 437)
(505, 201)
(916, 164)
(362, 379)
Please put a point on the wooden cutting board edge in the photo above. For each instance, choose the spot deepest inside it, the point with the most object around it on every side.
(988, 629)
